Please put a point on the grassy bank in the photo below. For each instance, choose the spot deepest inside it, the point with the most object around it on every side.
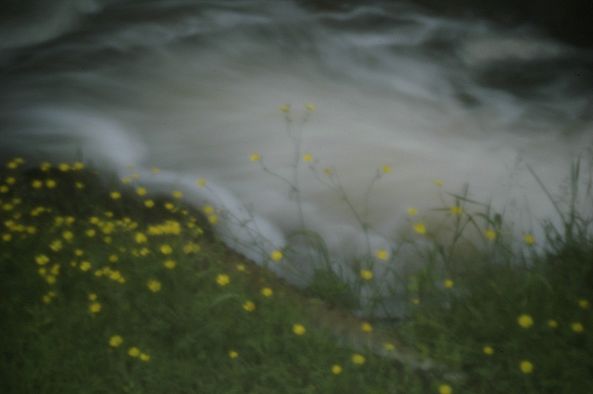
(105, 287)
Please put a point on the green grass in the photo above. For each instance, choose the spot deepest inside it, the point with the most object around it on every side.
(188, 327)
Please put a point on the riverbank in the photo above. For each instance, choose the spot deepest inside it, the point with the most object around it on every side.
(108, 287)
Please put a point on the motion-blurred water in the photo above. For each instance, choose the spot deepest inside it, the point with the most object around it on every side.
(193, 87)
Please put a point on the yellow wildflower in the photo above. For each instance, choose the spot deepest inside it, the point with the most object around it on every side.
(420, 228)
(388, 346)
(68, 235)
(526, 366)
(78, 166)
(116, 276)
(490, 234)
(115, 195)
(448, 283)
(177, 194)
(366, 327)
(358, 359)
(529, 239)
(267, 292)
(64, 167)
(255, 157)
(92, 297)
(438, 182)
(336, 369)
(201, 182)
(141, 191)
(525, 321)
(298, 329)
(456, 210)
(154, 285)
(249, 306)
(191, 247)
(240, 267)
(445, 389)
(155, 170)
(233, 354)
(90, 233)
(386, 169)
(488, 350)
(149, 203)
(115, 340)
(95, 307)
(223, 279)
(366, 274)
(166, 249)
(412, 212)
(50, 184)
(42, 259)
(56, 245)
(276, 255)
(382, 254)
(144, 357)
(85, 266)
(307, 158)
(37, 184)
(212, 219)
(170, 264)
(113, 258)
(45, 166)
(577, 327)
(134, 352)
(140, 238)
(79, 185)
(285, 108)
(310, 107)
(584, 304)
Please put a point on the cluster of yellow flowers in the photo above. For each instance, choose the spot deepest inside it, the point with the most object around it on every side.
(94, 305)
(135, 352)
(48, 297)
(66, 237)
(114, 275)
(169, 227)
(210, 214)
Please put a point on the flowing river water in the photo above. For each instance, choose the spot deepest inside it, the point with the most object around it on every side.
(194, 87)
